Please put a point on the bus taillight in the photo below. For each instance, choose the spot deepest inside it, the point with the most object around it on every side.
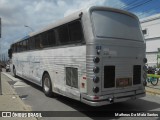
(96, 79)
(96, 69)
(96, 60)
(96, 89)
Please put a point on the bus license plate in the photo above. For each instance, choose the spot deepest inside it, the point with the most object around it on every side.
(122, 82)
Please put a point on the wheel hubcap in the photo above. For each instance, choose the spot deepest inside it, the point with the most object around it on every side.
(46, 84)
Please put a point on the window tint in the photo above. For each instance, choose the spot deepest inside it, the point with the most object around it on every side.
(107, 24)
(44, 39)
(62, 34)
(66, 34)
(24, 45)
(37, 41)
(20, 46)
(51, 38)
(75, 31)
(14, 48)
(32, 43)
(27, 46)
(17, 46)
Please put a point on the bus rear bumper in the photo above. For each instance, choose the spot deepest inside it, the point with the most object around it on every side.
(106, 99)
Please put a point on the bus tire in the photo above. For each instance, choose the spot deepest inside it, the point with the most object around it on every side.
(47, 85)
(14, 72)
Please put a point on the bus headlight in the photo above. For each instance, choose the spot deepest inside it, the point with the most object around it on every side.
(145, 76)
(96, 69)
(145, 60)
(96, 89)
(145, 68)
(96, 60)
(96, 79)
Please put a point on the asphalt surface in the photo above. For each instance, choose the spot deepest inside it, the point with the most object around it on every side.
(32, 95)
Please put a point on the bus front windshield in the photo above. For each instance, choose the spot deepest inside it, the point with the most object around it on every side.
(108, 24)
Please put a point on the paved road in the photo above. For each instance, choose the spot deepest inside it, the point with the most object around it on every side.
(32, 95)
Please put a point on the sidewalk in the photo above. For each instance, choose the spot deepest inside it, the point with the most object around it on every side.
(10, 101)
(153, 90)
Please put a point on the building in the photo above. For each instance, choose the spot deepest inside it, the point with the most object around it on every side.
(151, 30)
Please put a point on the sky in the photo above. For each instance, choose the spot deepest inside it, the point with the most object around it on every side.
(16, 14)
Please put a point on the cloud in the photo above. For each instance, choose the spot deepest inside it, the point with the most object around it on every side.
(80, 4)
(34, 13)
(39, 13)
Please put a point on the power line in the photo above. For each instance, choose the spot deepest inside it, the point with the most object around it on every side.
(132, 3)
(140, 4)
(135, 4)
(150, 11)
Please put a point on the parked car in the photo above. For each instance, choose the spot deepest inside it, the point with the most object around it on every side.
(7, 68)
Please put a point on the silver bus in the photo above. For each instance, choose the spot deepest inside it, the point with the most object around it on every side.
(96, 56)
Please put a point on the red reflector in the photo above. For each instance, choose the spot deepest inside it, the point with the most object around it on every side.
(84, 78)
(95, 97)
(83, 85)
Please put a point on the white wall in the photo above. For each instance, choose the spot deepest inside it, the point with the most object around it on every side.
(152, 45)
(152, 25)
(153, 28)
(152, 59)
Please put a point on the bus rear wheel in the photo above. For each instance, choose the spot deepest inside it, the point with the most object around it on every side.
(47, 85)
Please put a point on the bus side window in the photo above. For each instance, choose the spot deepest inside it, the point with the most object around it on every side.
(44, 37)
(21, 48)
(37, 42)
(27, 45)
(10, 53)
(17, 44)
(17, 47)
(24, 45)
(14, 48)
(51, 38)
(32, 43)
(57, 37)
(75, 31)
(62, 36)
(40, 41)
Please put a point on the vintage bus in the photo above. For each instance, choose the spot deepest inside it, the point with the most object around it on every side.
(96, 56)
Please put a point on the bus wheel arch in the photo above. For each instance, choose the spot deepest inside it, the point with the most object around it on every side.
(47, 84)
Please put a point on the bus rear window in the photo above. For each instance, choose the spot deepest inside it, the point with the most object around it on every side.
(116, 25)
